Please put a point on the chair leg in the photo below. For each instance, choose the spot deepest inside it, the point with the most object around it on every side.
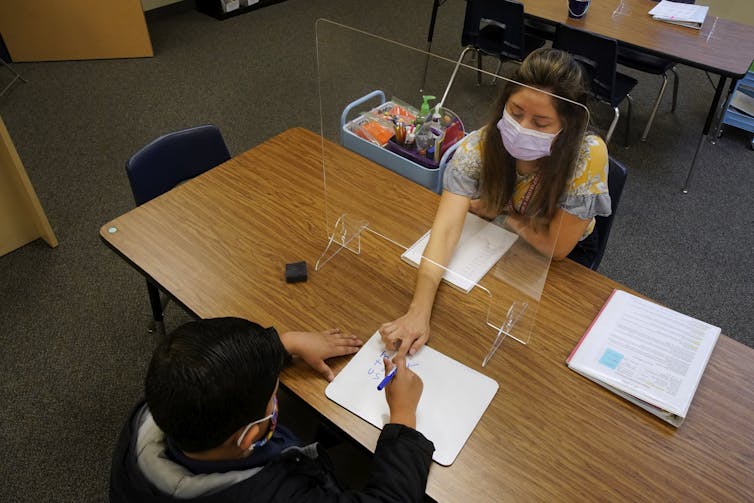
(478, 68)
(628, 119)
(497, 71)
(155, 302)
(675, 88)
(654, 109)
(612, 125)
(453, 75)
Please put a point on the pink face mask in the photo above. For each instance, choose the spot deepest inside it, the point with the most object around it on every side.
(522, 143)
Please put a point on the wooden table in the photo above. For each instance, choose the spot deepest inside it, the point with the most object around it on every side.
(218, 244)
(722, 46)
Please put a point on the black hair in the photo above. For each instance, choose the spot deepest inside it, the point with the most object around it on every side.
(209, 378)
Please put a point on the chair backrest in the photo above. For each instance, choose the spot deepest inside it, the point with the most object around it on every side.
(174, 158)
(616, 179)
(597, 54)
(495, 27)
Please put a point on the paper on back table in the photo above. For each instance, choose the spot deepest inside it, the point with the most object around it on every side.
(453, 400)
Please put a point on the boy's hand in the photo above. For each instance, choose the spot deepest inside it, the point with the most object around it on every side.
(402, 392)
(316, 347)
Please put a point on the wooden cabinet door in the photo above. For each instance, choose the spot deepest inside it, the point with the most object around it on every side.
(53, 30)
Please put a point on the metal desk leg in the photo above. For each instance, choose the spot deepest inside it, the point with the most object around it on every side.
(432, 19)
(713, 112)
(157, 324)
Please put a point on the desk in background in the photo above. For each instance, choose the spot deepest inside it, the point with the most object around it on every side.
(219, 242)
(722, 46)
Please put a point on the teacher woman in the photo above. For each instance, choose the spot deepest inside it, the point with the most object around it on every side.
(531, 165)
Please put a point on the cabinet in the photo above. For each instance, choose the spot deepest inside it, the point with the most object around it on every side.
(51, 30)
(223, 9)
(22, 218)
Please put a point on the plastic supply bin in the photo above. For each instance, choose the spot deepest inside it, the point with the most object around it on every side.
(429, 177)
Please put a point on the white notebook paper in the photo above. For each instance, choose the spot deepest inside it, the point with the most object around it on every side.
(453, 399)
(481, 245)
(646, 353)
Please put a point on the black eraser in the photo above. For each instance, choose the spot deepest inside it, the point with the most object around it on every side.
(295, 272)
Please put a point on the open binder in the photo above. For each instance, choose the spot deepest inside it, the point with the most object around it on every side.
(646, 353)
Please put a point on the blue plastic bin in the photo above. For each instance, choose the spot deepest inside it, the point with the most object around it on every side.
(430, 178)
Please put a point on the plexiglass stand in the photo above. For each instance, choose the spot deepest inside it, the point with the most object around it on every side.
(352, 65)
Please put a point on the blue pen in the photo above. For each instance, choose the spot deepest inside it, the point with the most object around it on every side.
(387, 379)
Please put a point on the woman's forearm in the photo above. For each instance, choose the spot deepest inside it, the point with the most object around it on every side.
(558, 239)
(446, 230)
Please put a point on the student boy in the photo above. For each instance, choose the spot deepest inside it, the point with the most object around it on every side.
(209, 433)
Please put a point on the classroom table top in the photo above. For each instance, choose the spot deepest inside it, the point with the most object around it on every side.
(722, 45)
(219, 243)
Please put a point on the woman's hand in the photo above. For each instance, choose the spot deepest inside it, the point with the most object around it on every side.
(316, 347)
(411, 331)
(406, 334)
(477, 207)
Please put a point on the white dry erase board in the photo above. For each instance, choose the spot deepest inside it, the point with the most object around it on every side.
(453, 400)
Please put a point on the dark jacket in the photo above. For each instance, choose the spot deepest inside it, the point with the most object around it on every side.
(399, 471)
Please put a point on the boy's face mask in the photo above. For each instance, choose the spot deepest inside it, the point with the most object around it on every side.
(522, 143)
(273, 423)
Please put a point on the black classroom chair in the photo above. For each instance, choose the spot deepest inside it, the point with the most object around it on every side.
(599, 57)
(494, 28)
(655, 65)
(616, 179)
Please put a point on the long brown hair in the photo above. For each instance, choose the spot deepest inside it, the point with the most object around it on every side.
(556, 72)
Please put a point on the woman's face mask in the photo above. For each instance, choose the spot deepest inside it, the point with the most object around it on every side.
(522, 143)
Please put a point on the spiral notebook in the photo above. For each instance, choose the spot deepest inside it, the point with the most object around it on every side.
(646, 353)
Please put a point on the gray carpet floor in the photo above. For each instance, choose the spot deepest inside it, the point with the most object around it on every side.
(72, 319)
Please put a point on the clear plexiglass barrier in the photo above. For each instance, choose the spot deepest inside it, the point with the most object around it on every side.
(371, 104)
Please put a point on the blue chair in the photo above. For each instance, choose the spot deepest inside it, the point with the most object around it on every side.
(655, 65)
(166, 162)
(616, 179)
(598, 56)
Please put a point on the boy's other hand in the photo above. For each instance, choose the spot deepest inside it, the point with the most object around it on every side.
(316, 347)
(403, 392)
